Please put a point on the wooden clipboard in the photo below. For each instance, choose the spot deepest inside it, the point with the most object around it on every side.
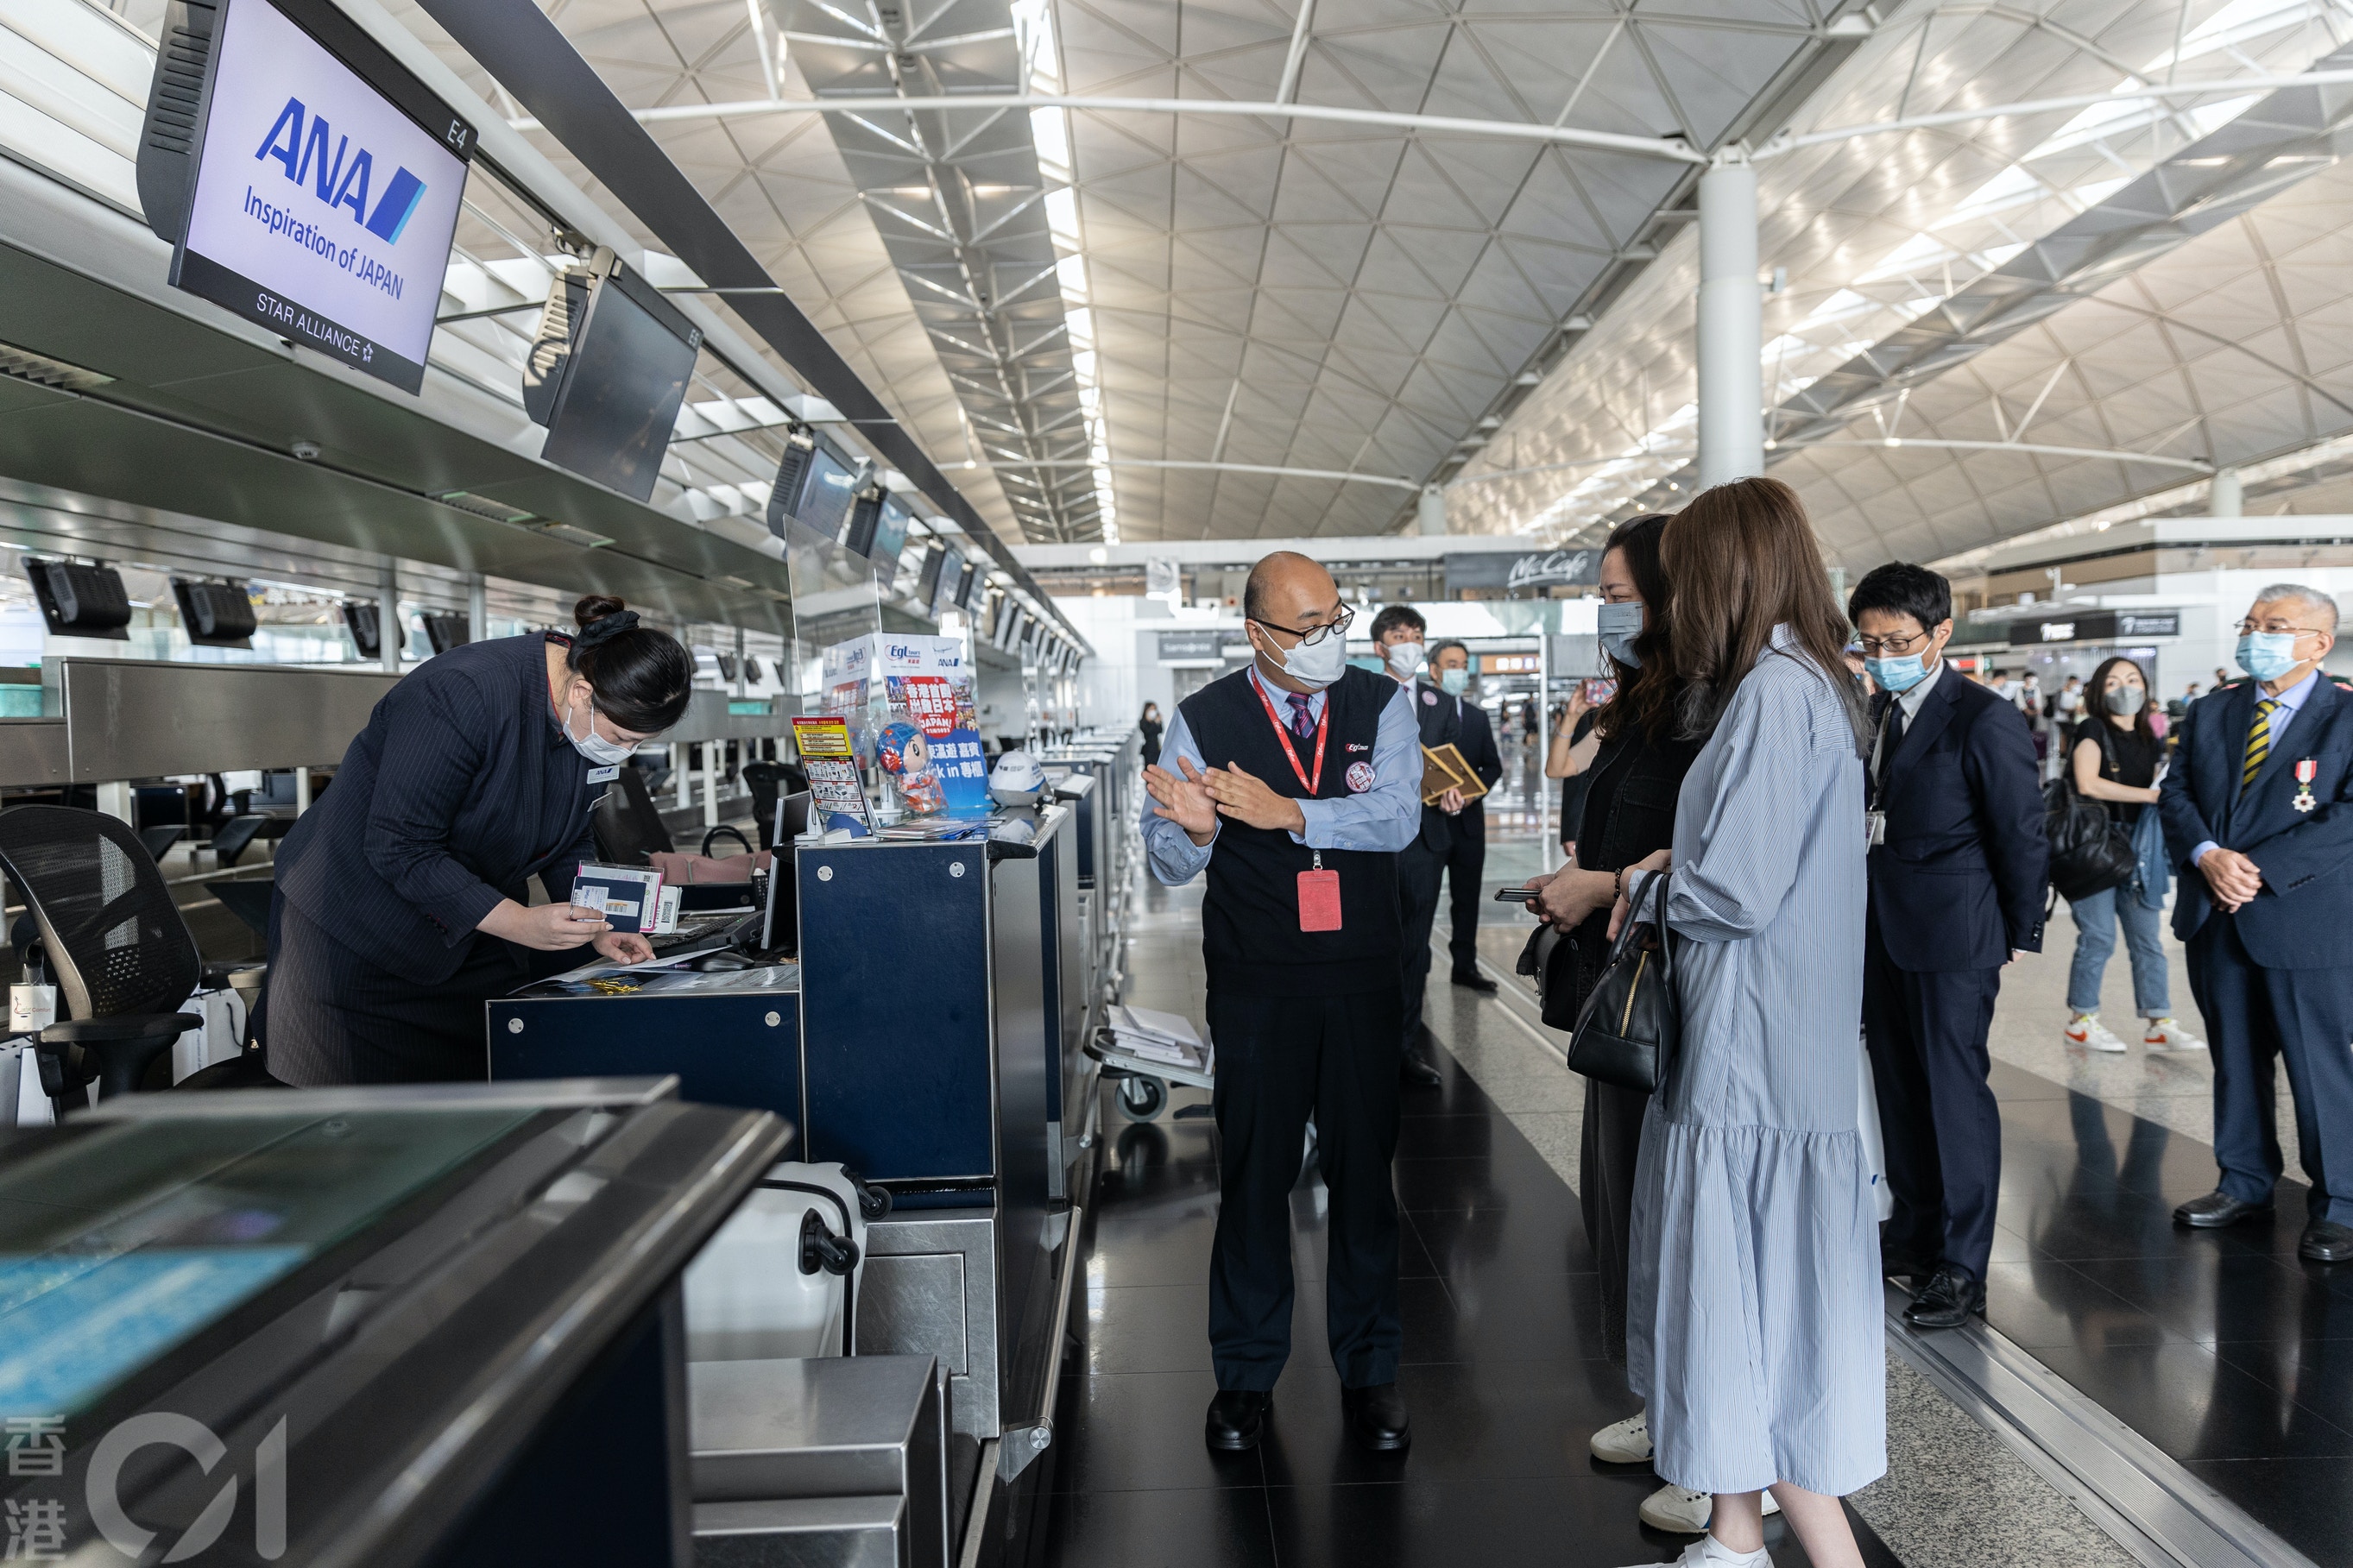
(1443, 768)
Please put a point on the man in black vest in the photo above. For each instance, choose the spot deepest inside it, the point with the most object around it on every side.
(1298, 781)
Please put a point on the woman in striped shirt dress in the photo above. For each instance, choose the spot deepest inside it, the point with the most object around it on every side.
(1754, 1320)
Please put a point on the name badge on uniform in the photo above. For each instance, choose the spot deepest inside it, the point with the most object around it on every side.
(1874, 829)
(1319, 897)
(2305, 772)
(605, 775)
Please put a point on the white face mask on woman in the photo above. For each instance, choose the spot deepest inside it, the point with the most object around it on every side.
(604, 753)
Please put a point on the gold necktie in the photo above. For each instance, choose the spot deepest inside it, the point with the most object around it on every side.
(2259, 740)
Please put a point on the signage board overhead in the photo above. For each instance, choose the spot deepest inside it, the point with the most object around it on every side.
(1532, 572)
(324, 200)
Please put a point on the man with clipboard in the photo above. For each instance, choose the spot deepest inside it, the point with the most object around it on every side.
(1295, 782)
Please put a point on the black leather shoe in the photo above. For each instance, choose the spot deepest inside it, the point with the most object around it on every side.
(1473, 980)
(1377, 1417)
(2326, 1241)
(1415, 1072)
(1947, 1300)
(1236, 1419)
(2216, 1210)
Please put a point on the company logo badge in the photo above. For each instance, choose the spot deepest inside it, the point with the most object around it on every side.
(1361, 776)
(301, 141)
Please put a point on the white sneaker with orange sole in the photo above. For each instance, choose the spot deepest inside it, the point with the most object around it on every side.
(2167, 1035)
(2085, 1029)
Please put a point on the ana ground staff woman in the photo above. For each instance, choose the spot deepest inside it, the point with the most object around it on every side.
(401, 895)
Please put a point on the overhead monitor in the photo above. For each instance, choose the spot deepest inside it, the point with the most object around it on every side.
(80, 601)
(889, 533)
(950, 580)
(927, 577)
(621, 380)
(444, 632)
(325, 183)
(967, 587)
(363, 619)
(826, 493)
(215, 614)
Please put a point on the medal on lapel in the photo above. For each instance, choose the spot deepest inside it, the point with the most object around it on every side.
(2304, 772)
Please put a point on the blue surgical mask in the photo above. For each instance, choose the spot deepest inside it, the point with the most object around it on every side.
(1453, 682)
(1897, 674)
(1618, 625)
(2267, 655)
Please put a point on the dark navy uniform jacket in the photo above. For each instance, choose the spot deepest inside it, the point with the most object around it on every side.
(1959, 880)
(2303, 918)
(1463, 723)
(461, 789)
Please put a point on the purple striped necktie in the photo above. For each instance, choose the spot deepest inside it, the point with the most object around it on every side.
(1301, 725)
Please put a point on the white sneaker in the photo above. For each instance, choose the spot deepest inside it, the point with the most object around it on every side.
(2167, 1035)
(1678, 1511)
(1626, 1442)
(1710, 1552)
(2085, 1029)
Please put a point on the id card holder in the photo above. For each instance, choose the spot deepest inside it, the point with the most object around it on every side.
(1874, 829)
(1319, 897)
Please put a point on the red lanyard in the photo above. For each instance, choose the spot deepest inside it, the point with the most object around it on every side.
(1282, 733)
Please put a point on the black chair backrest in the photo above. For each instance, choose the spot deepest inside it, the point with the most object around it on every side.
(766, 780)
(115, 941)
(628, 823)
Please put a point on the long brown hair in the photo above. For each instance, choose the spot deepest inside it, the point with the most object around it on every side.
(1741, 560)
(1646, 693)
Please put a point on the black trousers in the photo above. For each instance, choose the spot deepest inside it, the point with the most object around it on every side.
(1420, 870)
(335, 1016)
(2257, 1019)
(1278, 1060)
(1927, 1035)
(1609, 1148)
(1466, 866)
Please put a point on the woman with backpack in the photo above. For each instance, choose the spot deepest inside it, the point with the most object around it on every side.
(2114, 757)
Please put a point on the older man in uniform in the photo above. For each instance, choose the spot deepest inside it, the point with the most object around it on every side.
(1296, 782)
(2258, 805)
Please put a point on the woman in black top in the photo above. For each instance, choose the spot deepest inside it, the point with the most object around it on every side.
(2114, 755)
(1150, 725)
(401, 904)
(1629, 815)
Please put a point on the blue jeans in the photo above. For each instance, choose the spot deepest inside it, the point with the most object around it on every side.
(2096, 939)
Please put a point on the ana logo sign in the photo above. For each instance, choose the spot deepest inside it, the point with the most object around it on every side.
(342, 180)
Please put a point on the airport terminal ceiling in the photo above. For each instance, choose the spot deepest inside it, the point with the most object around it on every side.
(1107, 325)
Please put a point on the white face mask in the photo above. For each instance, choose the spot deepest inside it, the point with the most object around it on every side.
(604, 753)
(1315, 665)
(1405, 658)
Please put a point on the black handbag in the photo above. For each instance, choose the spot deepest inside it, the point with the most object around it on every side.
(2090, 851)
(1628, 1026)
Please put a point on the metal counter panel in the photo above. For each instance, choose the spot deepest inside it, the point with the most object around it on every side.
(724, 1047)
(32, 751)
(895, 1008)
(133, 719)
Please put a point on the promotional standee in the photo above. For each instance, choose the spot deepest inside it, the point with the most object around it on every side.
(908, 703)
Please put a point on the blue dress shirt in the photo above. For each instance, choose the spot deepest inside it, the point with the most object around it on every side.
(1383, 819)
(2291, 701)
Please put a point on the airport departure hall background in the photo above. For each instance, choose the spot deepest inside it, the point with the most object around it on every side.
(1100, 783)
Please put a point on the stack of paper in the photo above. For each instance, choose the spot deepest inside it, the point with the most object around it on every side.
(1157, 1036)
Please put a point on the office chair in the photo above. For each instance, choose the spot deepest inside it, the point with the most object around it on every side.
(232, 837)
(628, 824)
(120, 956)
(770, 781)
(159, 840)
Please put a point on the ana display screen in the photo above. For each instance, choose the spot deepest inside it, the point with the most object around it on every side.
(325, 202)
(889, 534)
(825, 499)
(612, 421)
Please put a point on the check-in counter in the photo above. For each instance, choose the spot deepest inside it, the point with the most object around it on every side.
(397, 1326)
(930, 1039)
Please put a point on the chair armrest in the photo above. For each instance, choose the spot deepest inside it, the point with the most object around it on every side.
(122, 1026)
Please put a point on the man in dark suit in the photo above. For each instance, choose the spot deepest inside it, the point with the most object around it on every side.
(1466, 846)
(2258, 812)
(1957, 865)
(1398, 632)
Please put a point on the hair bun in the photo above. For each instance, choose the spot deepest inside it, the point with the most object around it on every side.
(596, 607)
(604, 628)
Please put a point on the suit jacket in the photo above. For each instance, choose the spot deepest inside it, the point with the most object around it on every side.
(1959, 881)
(1464, 724)
(2300, 919)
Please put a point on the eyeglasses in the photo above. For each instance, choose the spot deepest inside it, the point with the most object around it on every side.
(1313, 635)
(1879, 647)
(2276, 628)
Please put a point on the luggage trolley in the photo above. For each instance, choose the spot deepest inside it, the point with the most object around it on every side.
(1143, 1081)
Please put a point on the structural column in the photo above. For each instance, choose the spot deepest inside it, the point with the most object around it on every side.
(478, 608)
(1430, 510)
(1731, 328)
(2226, 497)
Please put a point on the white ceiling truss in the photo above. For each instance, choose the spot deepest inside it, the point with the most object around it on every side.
(2127, 276)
